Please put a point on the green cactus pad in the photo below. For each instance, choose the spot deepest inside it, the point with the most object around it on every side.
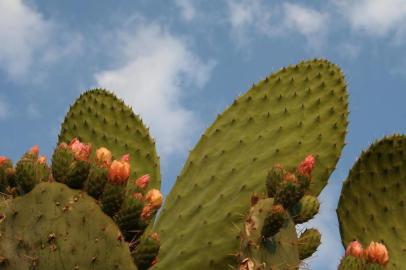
(29, 173)
(55, 227)
(299, 110)
(373, 203)
(100, 118)
(146, 251)
(351, 263)
(308, 243)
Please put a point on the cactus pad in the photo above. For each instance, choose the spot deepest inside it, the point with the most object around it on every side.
(298, 110)
(100, 118)
(54, 227)
(372, 204)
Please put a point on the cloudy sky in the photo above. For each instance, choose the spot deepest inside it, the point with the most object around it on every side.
(179, 63)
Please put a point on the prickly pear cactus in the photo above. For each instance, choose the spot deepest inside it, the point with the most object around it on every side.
(299, 110)
(100, 118)
(372, 205)
(55, 227)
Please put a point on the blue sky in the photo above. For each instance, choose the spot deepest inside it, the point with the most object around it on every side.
(179, 63)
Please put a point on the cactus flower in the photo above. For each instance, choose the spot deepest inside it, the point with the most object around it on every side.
(354, 249)
(3, 160)
(154, 236)
(307, 165)
(42, 160)
(290, 177)
(377, 253)
(34, 150)
(80, 150)
(104, 156)
(143, 181)
(147, 212)
(138, 196)
(154, 198)
(125, 158)
(119, 172)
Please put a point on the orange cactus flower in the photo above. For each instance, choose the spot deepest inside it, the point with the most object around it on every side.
(119, 172)
(104, 156)
(42, 160)
(354, 249)
(377, 253)
(3, 160)
(34, 150)
(147, 212)
(143, 181)
(154, 198)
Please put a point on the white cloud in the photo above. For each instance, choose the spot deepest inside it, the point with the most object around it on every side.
(310, 23)
(27, 39)
(246, 16)
(249, 17)
(157, 70)
(374, 17)
(187, 8)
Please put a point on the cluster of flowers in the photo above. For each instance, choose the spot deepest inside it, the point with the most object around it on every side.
(374, 253)
(119, 173)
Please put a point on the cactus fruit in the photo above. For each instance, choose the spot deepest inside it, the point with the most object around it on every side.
(147, 250)
(30, 171)
(374, 257)
(309, 241)
(369, 208)
(299, 110)
(70, 164)
(305, 209)
(54, 227)
(7, 174)
(101, 119)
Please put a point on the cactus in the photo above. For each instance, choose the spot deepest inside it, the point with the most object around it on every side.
(369, 208)
(54, 227)
(7, 174)
(98, 117)
(299, 110)
(145, 253)
(30, 171)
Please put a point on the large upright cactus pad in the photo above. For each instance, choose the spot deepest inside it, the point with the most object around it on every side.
(55, 227)
(100, 118)
(372, 206)
(299, 110)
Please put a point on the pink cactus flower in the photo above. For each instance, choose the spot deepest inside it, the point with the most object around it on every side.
(143, 181)
(377, 253)
(34, 150)
(307, 165)
(119, 172)
(154, 198)
(104, 156)
(354, 249)
(3, 160)
(80, 150)
(42, 160)
(125, 158)
(138, 196)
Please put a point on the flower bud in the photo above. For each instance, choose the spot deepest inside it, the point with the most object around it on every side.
(125, 158)
(147, 212)
(34, 150)
(80, 150)
(154, 198)
(143, 181)
(42, 160)
(307, 165)
(377, 253)
(3, 160)
(119, 172)
(138, 196)
(354, 249)
(104, 156)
